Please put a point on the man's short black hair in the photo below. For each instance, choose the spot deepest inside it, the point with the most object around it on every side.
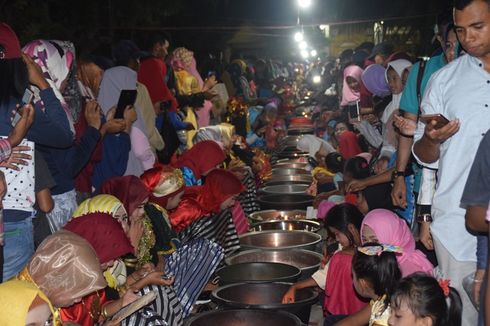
(461, 4)
(156, 38)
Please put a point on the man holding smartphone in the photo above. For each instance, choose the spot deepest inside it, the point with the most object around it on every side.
(460, 92)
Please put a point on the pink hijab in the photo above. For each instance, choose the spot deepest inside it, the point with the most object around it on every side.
(348, 95)
(390, 229)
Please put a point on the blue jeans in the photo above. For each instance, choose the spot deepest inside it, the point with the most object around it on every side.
(19, 247)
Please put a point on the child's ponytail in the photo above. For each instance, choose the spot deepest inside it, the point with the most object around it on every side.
(453, 316)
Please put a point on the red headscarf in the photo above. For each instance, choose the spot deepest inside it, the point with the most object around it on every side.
(104, 233)
(129, 189)
(188, 211)
(219, 186)
(164, 182)
(201, 158)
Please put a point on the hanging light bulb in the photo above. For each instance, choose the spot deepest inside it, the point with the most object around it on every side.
(317, 79)
(313, 53)
(298, 36)
(304, 3)
(304, 54)
(303, 45)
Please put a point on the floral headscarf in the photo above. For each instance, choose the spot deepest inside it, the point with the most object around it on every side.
(182, 59)
(55, 60)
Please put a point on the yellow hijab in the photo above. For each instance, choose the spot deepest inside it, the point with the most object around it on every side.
(100, 203)
(15, 299)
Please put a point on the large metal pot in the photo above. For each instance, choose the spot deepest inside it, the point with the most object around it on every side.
(285, 202)
(291, 161)
(280, 240)
(300, 131)
(244, 317)
(275, 215)
(298, 225)
(289, 179)
(307, 261)
(285, 189)
(291, 154)
(258, 273)
(289, 141)
(281, 171)
(301, 166)
(265, 296)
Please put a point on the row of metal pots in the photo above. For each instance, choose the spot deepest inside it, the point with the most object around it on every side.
(278, 251)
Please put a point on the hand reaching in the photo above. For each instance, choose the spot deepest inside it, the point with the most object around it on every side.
(18, 157)
(406, 126)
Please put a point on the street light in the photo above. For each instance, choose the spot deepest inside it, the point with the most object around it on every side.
(304, 3)
(303, 45)
(298, 36)
(304, 54)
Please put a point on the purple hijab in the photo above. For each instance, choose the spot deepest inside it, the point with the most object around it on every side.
(374, 79)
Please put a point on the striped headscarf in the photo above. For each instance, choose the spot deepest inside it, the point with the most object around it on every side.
(98, 204)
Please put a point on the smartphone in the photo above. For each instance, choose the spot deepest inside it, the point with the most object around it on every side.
(127, 97)
(439, 118)
(26, 99)
(354, 112)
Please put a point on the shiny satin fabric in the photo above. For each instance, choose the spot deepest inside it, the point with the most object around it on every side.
(66, 268)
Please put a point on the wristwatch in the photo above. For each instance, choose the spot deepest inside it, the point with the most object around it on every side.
(424, 218)
(397, 174)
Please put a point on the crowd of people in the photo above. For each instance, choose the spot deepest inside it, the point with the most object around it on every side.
(106, 202)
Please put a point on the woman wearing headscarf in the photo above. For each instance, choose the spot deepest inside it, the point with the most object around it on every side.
(215, 199)
(55, 59)
(22, 303)
(238, 73)
(192, 264)
(351, 85)
(124, 76)
(97, 228)
(198, 161)
(50, 128)
(384, 226)
(111, 155)
(68, 282)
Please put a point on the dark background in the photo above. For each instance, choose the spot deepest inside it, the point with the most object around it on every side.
(205, 25)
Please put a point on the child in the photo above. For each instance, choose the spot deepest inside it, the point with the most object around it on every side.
(421, 300)
(375, 274)
(335, 164)
(343, 221)
(381, 225)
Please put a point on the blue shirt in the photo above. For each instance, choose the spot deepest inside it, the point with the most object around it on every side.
(409, 102)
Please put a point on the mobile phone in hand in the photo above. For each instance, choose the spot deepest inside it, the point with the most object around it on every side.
(127, 97)
(441, 120)
(26, 99)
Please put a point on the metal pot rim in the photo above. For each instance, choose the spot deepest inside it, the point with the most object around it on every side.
(319, 238)
(246, 311)
(304, 251)
(214, 294)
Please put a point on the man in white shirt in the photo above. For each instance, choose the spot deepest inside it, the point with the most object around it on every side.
(461, 92)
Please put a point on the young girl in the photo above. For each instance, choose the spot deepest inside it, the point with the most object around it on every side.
(347, 139)
(419, 300)
(375, 274)
(382, 225)
(340, 298)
